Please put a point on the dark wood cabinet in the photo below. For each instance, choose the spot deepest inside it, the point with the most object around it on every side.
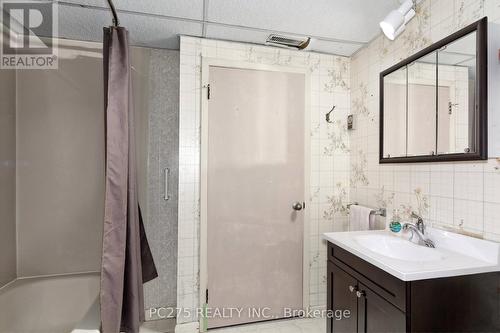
(380, 303)
(374, 312)
(368, 312)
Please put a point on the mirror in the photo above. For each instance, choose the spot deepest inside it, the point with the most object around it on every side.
(456, 103)
(429, 105)
(421, 116)
(395, 114)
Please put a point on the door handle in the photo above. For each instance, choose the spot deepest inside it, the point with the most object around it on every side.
(297, 206)
(360, 294)
(353, 289)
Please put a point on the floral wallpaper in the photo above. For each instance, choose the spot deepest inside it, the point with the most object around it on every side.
(405, 210)
(358, 170)
(414, 38)
(338, 76)
(338, 202)
(337, 138)
(359, 102)
(383, 198)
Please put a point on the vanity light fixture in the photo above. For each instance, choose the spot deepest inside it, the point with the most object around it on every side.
(395, 22)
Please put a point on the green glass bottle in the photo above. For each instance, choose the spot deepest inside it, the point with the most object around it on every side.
(395, 225)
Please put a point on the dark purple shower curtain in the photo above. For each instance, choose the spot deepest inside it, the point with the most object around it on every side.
(126, 258)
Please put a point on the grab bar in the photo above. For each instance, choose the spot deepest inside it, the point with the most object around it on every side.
(167, 172)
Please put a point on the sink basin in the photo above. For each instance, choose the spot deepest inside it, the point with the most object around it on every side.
(397, 248)
(454, 254)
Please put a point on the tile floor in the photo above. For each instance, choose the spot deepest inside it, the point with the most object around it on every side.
(315, 325)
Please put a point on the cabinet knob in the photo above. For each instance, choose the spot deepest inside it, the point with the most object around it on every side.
(360, 294)
(352, 289)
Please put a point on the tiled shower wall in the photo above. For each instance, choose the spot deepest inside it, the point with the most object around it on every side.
(329, 176)
(459, 195)
(159, 101)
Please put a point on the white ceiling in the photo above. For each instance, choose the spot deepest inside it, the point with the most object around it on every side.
(337, 26)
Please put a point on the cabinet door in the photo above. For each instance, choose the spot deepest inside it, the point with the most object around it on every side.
(329, 295)
(376, 315)
(341, 297)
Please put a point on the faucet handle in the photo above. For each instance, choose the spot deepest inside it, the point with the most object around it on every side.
(415, 216)
(420, 221)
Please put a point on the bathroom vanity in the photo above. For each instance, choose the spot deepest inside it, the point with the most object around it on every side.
(390, 284)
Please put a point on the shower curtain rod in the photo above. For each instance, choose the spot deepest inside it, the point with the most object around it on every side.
(115, 15)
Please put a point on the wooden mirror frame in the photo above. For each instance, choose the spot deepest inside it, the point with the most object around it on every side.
(481, 132)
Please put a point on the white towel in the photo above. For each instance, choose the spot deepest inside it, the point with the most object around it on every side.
(360, 218)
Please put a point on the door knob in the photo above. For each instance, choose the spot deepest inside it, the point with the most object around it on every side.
(297, 206)
(360, 294)
(353, 288)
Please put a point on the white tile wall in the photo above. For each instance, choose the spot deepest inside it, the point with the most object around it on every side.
(462, 195)
(329, 176)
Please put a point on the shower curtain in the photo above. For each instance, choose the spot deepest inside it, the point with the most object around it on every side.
(126, 258)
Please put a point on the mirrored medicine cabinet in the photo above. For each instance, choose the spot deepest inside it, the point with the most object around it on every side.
(433, 105)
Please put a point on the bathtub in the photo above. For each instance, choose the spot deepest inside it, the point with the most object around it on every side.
(90, 322)
(56, 304)
(47, 304)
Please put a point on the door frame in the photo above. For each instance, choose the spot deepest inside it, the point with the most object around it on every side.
(206, 63)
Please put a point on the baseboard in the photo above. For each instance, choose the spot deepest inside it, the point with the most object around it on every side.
(193, 327)
(161, 325)
(318, 307)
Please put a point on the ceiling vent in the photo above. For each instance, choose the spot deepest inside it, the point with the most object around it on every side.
(288, 42)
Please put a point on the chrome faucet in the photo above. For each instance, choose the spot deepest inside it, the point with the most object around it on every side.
(419, 229)
(415, 229)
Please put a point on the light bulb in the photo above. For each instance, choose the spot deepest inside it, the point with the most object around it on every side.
(394, 23)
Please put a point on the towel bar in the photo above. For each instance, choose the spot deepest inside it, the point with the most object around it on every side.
(379, 212)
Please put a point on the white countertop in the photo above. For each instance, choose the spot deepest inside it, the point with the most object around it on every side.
(454, 254)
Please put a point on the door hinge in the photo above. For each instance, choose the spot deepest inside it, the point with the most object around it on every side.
(208, 91)
(206, 296)
(451, 106)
